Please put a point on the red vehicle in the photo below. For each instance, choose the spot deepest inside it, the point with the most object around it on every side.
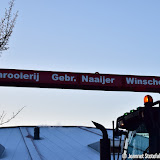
(142, 126)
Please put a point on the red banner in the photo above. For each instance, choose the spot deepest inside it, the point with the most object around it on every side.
(71, 80)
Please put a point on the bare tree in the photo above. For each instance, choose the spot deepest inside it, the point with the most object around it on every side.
(7, 24)
(3, 115)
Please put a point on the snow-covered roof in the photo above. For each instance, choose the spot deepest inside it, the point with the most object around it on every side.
(56, 143)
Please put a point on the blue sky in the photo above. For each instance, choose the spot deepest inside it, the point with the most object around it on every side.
(112, 37)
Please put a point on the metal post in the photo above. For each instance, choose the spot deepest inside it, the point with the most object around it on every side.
(113, 141)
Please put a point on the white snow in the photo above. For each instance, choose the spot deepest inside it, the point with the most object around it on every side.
(56, 143)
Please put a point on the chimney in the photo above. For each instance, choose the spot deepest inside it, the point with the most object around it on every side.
(36, 133)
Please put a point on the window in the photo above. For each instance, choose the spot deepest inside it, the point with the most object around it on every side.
(137, 142)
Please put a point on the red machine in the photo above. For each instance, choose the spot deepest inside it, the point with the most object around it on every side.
(72, 80)
(142, 125)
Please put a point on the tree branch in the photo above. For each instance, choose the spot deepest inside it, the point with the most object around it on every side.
(6, 26)
(2, 116)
